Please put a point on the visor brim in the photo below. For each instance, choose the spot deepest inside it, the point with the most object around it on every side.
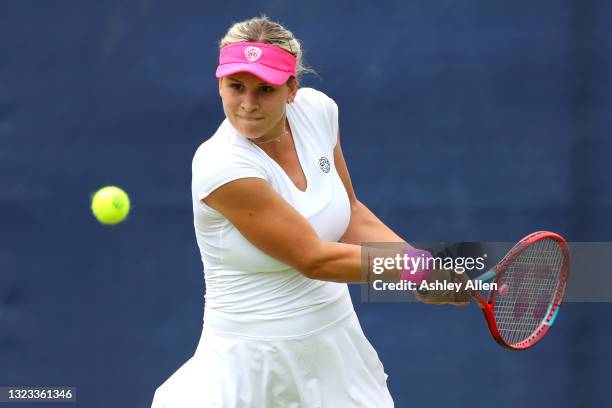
(269, 75)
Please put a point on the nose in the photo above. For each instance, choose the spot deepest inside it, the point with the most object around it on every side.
(249, 102)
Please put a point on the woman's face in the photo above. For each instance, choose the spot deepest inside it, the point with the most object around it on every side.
(254, 107)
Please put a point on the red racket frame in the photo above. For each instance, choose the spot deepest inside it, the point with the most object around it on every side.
(487, 305)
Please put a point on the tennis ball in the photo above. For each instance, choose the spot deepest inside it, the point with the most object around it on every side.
(110, 205)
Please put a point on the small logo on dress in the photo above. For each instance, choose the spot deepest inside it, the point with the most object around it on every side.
(324, 164)
(252, 54)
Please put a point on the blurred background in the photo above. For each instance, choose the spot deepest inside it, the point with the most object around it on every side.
(461, 121)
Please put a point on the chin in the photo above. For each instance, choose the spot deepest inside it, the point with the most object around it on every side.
(250, 133)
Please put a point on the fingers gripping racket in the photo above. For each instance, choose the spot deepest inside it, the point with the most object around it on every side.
(531, 281)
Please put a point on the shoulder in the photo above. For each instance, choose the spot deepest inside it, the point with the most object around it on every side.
(319, 109)
(315, 99)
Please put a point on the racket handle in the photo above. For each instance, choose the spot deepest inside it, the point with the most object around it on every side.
(487, 276)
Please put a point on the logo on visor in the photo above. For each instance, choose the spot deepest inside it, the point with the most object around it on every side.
(324, 164)
(252, 54)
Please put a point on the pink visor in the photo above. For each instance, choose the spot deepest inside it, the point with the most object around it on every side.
(268, 62)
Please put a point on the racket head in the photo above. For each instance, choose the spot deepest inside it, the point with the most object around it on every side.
(533, 276)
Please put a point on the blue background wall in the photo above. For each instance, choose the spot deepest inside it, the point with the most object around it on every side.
(464, 120)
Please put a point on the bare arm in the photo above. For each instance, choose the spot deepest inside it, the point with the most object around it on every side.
(276, 228)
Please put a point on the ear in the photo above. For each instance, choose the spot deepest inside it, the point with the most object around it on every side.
(293, 88)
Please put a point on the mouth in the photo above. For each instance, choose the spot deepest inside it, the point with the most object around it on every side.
(249, 119)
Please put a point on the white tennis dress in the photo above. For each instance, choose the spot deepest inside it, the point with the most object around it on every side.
(272, 337)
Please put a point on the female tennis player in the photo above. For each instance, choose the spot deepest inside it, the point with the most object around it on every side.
(279, 230)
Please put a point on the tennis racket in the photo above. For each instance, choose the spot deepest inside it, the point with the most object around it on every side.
(531, 281)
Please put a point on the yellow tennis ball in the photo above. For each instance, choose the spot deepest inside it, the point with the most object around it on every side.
(110, 205)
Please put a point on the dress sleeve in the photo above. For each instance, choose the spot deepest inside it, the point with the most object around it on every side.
(211, 170)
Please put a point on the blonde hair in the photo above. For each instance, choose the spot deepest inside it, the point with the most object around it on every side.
(263, 30)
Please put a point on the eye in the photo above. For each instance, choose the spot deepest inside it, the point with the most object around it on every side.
(267, 89)
(236, 86)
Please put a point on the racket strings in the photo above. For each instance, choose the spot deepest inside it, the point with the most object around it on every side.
(532, 280)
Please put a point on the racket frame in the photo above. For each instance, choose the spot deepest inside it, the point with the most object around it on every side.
(487, 304)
